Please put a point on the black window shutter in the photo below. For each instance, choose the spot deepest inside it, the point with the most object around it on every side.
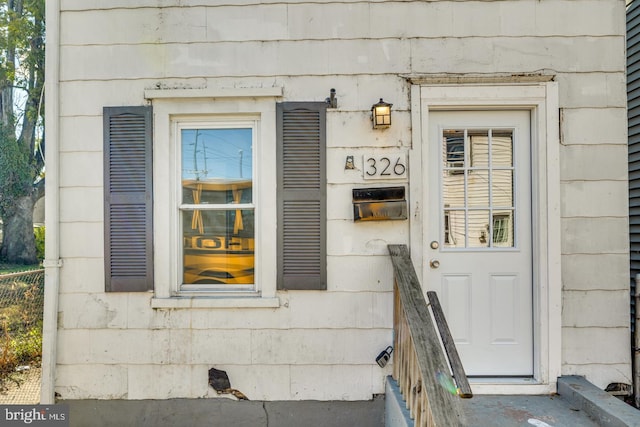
(128, 202)
(301, 128)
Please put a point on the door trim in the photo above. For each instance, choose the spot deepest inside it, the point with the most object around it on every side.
(542, 100)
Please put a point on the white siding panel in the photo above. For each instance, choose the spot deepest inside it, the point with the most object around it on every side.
(85, 240)
(364, 238)
(594, 235)
(331, 310)
(594, 162)
(259, 22)
(595, 272)
(585, 126)
(89, 210)
(332, 20)
(81, 134)
(318, 347)
(331, 382)
(113, 346)
(204, 59)
(352, 19)
(594, 90)
(92, 381)
(354, 129)
(94, 311)
(223, 346)
(595, 345)
(159, 381)
(595, 309)
(120, 26)
(383, 310)
(360, 273)
(83, 168)
(74, 99)
(340, 198)
(504, 54)
(594, 199)
(243, 318)
(549, 18)
(82, 274)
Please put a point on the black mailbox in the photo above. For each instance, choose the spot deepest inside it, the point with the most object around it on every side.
(379, 204)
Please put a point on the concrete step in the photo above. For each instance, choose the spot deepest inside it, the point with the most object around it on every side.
(606, 410)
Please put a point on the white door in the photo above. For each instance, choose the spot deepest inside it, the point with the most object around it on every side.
(478, 254)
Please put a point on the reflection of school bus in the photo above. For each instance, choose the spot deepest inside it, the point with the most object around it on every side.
(218, 244)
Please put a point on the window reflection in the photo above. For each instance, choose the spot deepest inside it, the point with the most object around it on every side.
(217, 214)
(477, 188)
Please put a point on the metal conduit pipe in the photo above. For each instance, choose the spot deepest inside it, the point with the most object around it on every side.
(52, 262)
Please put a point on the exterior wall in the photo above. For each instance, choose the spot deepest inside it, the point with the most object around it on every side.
(321, 345)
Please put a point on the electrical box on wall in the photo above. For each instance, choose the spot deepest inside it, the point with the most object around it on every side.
(379, 204)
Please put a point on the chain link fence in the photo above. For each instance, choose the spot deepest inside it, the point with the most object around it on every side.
(21, 309)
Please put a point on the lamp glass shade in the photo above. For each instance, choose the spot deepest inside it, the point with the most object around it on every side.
(381, 114)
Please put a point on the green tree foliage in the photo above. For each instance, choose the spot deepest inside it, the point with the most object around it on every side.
(22, 32)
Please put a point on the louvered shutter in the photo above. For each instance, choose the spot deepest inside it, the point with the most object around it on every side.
(301, 195)
(128, 199)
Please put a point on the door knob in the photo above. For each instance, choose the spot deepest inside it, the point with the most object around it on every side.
(434, 263)
(434, 244)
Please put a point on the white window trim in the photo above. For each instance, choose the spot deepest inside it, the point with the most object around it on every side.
(206, 104)
(541, 98)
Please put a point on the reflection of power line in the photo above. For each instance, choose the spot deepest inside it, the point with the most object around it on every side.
(196, 170)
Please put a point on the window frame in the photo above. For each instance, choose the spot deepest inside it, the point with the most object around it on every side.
(204, 104)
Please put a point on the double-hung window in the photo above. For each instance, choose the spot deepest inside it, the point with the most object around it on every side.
(216, 204)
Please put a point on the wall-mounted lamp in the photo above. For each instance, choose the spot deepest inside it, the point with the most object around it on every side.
(381, 115)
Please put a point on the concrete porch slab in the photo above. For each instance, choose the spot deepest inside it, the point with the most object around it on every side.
(578, 403)
(516, 411)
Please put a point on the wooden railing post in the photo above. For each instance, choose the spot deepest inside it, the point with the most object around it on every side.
(419, 361)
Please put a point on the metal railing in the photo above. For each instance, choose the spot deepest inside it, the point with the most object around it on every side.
(21, 311)
(421, 368)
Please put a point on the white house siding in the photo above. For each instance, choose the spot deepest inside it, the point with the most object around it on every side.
(322, 344)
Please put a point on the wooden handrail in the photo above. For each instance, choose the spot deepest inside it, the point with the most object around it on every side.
(419, 362)
(464, 389)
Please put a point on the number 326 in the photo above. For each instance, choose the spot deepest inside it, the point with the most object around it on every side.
(385, 167)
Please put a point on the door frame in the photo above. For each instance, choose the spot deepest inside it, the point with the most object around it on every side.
(541, 98)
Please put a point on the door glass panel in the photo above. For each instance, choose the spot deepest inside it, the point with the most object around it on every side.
(478, 176)
(503, 229)
(502, 148)
(453, 149)
(479, 147)
(478, 183)
(478, 229)
(502, 188)
(454, 228)
(453, 190)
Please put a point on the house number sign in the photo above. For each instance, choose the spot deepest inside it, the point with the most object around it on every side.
(385, 166)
